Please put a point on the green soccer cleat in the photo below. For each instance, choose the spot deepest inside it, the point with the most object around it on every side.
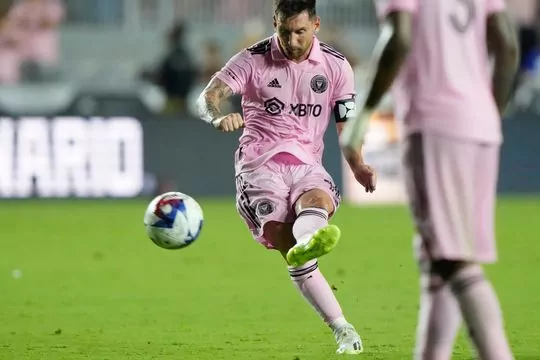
(321, 243)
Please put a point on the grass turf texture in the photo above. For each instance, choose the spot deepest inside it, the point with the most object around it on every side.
(92, 286)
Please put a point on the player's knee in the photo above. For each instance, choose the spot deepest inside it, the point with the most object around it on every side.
(279, 235)
(460, 275)
(315, 198)
(446, 269)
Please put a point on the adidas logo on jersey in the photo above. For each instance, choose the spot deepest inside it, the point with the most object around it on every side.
(274, 84)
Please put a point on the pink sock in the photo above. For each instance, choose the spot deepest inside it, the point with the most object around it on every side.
(315, 289)
(307, 222)
(482, 313)
(439, 320)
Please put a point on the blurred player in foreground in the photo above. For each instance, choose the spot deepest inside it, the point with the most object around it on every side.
(290, 83)
(451, 113)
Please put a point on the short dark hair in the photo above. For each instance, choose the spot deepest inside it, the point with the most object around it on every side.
(289, 8)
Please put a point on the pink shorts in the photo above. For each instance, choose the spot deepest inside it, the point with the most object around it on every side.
(452, 188)
(270, 192)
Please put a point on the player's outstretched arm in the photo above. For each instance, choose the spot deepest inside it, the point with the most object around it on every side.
(363, 173)
(208, 106)
(388, 56)
(503, 45)
(344, 111)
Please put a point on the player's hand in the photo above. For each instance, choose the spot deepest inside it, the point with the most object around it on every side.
(229, 123)
(366, 176)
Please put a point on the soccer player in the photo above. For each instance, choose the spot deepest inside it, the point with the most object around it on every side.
(290, 83)
(438, 53)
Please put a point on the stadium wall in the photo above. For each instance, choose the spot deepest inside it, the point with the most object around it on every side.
(126, 151)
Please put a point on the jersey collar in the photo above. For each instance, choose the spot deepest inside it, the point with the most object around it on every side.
(315, 54)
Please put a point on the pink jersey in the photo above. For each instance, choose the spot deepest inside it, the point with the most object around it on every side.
(445, 85)
(286, 105)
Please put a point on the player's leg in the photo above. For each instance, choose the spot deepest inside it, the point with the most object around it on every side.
(313, 286)
(439, 318)
(480, 307)
(439, 315)
(263, 203)
(314, 198)
(314, 236)
(307, 278)
(477, 298)
(460, 185)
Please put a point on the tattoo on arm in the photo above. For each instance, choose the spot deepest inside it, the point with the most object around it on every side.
(209, 100)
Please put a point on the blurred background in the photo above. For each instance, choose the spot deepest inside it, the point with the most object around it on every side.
(97, 96)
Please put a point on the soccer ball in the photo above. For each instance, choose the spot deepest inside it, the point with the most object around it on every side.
(173, 220)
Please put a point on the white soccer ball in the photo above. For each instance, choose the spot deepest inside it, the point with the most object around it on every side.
(173, 220)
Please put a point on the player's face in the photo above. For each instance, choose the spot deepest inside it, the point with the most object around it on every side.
(296, 33)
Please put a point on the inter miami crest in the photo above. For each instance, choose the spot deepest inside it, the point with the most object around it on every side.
(319, 84)
(263, 208)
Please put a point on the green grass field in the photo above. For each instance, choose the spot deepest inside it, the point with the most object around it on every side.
(94, 287)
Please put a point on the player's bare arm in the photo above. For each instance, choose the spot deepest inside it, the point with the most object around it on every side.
(503, 46)
(388, 56)
(208, 107)
(363, 173)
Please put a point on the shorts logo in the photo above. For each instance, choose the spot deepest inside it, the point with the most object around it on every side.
(264, 208)
(274, 106)
(319, 84)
